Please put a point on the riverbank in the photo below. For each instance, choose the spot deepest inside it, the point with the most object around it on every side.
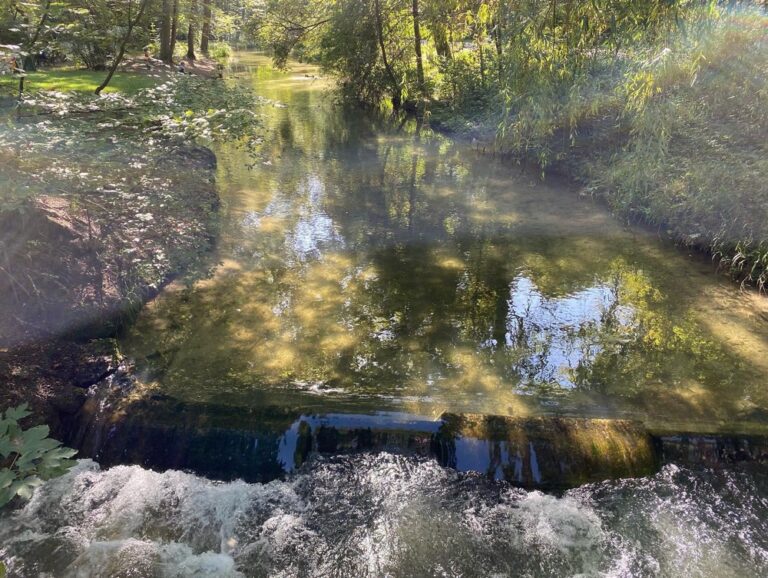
(672, 134)
(78, 266)
(134, 74)
(105, 199)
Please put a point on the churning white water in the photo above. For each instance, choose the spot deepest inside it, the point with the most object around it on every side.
(386, 515)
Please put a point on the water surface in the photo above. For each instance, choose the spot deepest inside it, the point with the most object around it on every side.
(367, 264)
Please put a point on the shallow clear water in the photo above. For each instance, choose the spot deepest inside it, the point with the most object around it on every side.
(369, 265)
(387, 516)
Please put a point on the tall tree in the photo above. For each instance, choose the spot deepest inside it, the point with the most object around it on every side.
(397, 91)
(174, 27)
(417, 43)
(166, 25)
(205, 33)
(191, 31)
(191, 42)
(30, 62)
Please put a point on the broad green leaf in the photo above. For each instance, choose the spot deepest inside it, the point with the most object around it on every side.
(18, 413)
(6, 478)
(6, 447)
(37, 457)
(35, 434)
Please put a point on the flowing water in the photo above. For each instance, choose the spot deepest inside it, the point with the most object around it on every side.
(373, 275)
(386, 515)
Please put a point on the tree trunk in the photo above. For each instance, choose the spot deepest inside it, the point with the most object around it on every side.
(482, 59)
(166, 54)
(497, 38)
(174, 27)
(397, 93)
(205, 35)
(417, 45)
(123, 44)
(442, 45)
(192, 16)
(191, 42)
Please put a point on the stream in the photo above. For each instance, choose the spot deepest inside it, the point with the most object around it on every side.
(373, 281)
(365, 266)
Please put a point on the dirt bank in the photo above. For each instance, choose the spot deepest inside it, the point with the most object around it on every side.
(74, 268)
(204, 67)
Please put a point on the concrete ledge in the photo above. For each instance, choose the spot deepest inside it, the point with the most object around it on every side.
(266, 443)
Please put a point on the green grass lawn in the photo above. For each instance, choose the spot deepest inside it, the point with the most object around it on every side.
(65, 80)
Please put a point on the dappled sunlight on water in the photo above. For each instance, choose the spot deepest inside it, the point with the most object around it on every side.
(364, 262)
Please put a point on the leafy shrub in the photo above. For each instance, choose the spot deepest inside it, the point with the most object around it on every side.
(462, 84)
(29, 457)
(694, 158)
(220, 51)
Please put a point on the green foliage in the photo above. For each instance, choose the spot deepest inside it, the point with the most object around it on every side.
(221, 52)
(28, 456)
(183, 108)
(85, 32)
(355, 60)
(92, 35)
(193, 108)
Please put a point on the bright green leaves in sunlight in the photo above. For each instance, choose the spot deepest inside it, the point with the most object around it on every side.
(28, 456)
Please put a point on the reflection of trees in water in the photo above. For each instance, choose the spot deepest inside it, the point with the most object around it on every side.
(413, 279)
(559, 334)
(664, 351)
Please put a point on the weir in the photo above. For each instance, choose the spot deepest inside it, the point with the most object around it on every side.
(262, 445)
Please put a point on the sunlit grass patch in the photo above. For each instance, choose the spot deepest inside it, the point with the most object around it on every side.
(71, 80)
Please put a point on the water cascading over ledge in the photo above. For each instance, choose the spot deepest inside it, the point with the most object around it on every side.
(260, 445)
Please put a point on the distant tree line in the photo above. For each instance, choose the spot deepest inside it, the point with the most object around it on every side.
(92, 33)
(457, 50)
